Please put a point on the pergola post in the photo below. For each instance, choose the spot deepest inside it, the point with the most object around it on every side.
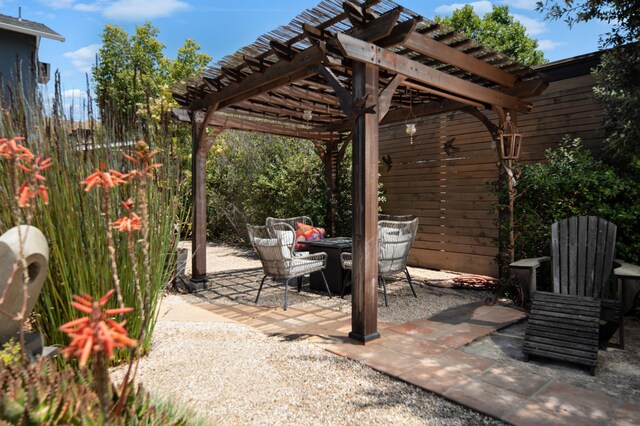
(364, 315)
(200, 145)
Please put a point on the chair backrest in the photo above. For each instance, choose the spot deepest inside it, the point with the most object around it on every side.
(274, 246)
(394, 241)
(396, 217)
(291, 221)
(582, 253)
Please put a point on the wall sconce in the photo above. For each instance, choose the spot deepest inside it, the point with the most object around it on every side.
(307, 114)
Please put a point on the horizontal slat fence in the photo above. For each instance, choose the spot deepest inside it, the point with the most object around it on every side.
(449, 190)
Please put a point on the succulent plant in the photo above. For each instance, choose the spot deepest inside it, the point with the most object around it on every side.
(44, 393)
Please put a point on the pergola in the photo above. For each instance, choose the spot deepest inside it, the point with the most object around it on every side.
(333, 76)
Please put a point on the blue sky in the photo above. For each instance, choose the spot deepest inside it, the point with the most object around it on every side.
(223, 26)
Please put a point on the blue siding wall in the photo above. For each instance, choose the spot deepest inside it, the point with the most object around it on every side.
(14, 46)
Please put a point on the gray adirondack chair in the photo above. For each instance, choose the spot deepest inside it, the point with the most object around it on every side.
(565, 324)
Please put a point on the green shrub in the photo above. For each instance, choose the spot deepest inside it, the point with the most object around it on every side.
(573, 182)
(251, 176)
(10, 353)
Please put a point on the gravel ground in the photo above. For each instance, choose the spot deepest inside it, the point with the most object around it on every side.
(231, 374)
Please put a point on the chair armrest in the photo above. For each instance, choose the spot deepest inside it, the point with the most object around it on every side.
(524, 271)
(531, 263)
(626, 270)
(346, 260)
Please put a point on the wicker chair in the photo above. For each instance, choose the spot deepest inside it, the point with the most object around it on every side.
(274, 246)
(394, 241)
(291, 221)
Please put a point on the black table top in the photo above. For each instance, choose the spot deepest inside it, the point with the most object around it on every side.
(338, 242)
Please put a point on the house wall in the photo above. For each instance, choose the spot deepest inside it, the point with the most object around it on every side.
(15, 45)
(449, 191)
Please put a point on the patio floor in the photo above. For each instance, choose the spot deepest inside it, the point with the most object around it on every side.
(427, 353)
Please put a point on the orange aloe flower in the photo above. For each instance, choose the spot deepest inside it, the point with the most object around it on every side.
(10, 148)
(128, 205)
(30, 189)
(104, 179)
(143, 160)
(96, 332)
(128, 224)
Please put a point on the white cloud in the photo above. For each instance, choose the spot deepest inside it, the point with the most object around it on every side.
(74, 94)
(89, 7)
(58, 4)
(480, 7)
(547, 45)
(83, 58)
(140, 10)
(521, 4)
(533, 26)
(123, 10)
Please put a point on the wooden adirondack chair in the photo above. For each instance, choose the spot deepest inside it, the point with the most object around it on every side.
(565, 324)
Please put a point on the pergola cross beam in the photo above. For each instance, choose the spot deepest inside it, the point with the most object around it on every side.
(362, 51)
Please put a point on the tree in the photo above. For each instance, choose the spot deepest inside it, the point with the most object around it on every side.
(499, 30)
(132, 77)
(622, 15)
(618, 91)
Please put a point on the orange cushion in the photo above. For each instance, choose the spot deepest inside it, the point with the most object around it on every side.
(305, 233)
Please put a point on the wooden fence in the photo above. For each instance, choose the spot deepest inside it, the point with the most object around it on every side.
(444, 176)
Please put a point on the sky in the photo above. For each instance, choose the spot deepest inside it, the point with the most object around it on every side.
(221, 27)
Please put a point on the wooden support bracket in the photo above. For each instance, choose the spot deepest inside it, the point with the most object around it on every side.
(384, 100)
(350, 106)
(343, 95)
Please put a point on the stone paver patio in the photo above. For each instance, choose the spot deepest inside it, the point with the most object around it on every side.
(426, 353)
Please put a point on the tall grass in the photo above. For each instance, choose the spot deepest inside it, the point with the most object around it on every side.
(73, 222)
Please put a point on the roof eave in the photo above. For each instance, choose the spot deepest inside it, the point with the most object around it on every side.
(51, 35)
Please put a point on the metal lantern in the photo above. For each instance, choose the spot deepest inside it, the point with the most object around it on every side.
(410, 121)
(510, 140)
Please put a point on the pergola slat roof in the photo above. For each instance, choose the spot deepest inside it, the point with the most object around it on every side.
(304, 65)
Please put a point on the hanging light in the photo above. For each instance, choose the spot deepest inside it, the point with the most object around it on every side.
(307, 114)
(510, 140)
(410, 121)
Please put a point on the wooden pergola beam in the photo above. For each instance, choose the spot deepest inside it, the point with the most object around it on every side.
(399, 33)
(236, 123)
(378, 28)
(293, 104)
(359, 50)
(434, 49)
(399, 115)
(301, 66)
(307, 94)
